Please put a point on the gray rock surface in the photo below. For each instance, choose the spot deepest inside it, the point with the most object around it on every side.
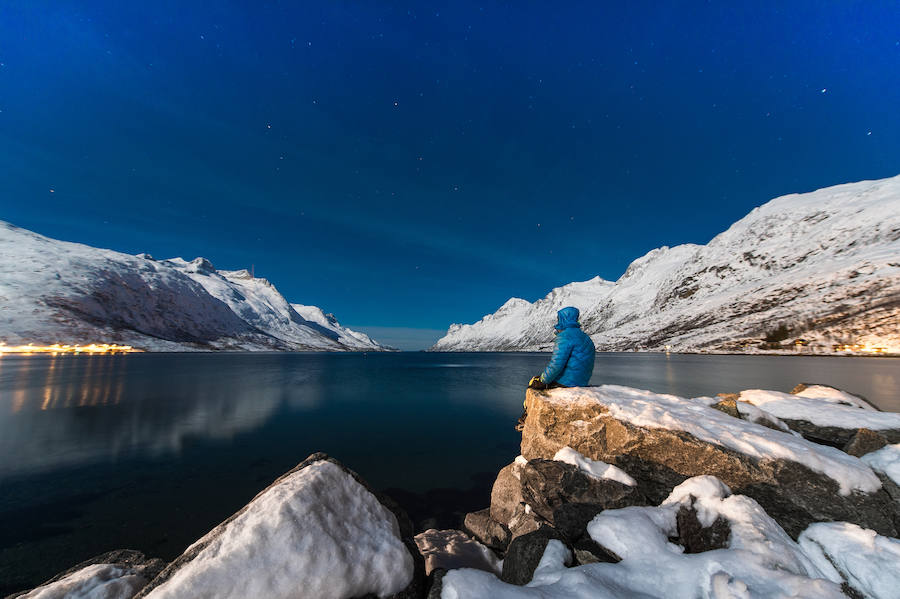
(525, 553)
(546, 485)
(487, 530)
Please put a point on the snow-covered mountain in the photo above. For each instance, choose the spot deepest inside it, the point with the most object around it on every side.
(55, 291)
(821, 266)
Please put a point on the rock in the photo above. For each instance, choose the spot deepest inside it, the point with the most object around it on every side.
(506, 494)
(662, 440)
(571, 519)
(117, 574)
(318, 527)
(524, 521)
(451, 549)
(863, 442)
(727, 405)
(696, 538)
(435, 583)
(589, 551)
(525, 553)
(547, 485)
(487, 530)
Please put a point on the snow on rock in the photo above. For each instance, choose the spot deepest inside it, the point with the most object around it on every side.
(594, 468)
(55, 291)
(451, 549)
(659, 411)
(832, 395)
(865, 560)
(759, 559)
(661, 440)
(317, 531)
(821, 266)
(819, 411)
(886, 460)
(97, 581)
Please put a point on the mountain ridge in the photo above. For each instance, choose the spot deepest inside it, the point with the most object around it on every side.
(821, 267)
(59, 291)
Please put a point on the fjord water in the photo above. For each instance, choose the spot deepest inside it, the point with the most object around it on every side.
(149, 451)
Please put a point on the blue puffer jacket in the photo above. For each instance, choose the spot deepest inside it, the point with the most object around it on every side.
(572, 362)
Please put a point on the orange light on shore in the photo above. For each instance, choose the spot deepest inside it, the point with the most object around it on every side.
(59, 348)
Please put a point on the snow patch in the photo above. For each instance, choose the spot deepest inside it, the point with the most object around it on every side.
(98, 581)
(595, 468)
(886, 460)
(867, 561)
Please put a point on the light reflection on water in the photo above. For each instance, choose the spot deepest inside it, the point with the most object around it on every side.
(183, 440)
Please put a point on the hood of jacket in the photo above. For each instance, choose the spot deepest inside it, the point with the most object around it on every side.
(567, 318)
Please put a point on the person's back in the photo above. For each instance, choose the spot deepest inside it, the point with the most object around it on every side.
(572, 362)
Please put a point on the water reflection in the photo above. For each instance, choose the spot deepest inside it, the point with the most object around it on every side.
(62, 411)
(59, 410)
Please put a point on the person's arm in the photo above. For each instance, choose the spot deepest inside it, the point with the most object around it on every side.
(558, 361)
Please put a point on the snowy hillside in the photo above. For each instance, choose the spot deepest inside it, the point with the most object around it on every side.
(823, 267)
(55, 291)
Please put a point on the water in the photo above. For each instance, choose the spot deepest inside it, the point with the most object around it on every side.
(149, 451)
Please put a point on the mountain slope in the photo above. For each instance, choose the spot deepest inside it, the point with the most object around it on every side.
(56, 291)
(824, 266)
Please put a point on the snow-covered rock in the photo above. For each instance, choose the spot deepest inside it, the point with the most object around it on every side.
(821, 266)
(823, 419)
(886, 461)
(863, 559)
(115, 575)
(660, 440)
(317, 531)
(55, 291)
(758, 559)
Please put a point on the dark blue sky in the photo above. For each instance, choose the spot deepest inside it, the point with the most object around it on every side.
(415, 164)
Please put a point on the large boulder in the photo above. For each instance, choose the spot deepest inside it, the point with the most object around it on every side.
(661, 440)
(117, 574)
(318, 531)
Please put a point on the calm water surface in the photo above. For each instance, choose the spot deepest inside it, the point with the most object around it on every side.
(150, 451)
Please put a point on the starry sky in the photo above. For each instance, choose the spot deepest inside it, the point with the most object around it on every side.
(408, 165)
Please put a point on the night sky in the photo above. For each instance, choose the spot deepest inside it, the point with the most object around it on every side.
(409, 165)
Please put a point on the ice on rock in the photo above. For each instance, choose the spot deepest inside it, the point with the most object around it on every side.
(97, 581)
(844, 552)
(316, 532)
(595, 468)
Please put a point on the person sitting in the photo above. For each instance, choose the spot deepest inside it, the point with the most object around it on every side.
(572, 362)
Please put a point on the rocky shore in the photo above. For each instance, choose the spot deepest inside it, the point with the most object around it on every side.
(618, 492)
